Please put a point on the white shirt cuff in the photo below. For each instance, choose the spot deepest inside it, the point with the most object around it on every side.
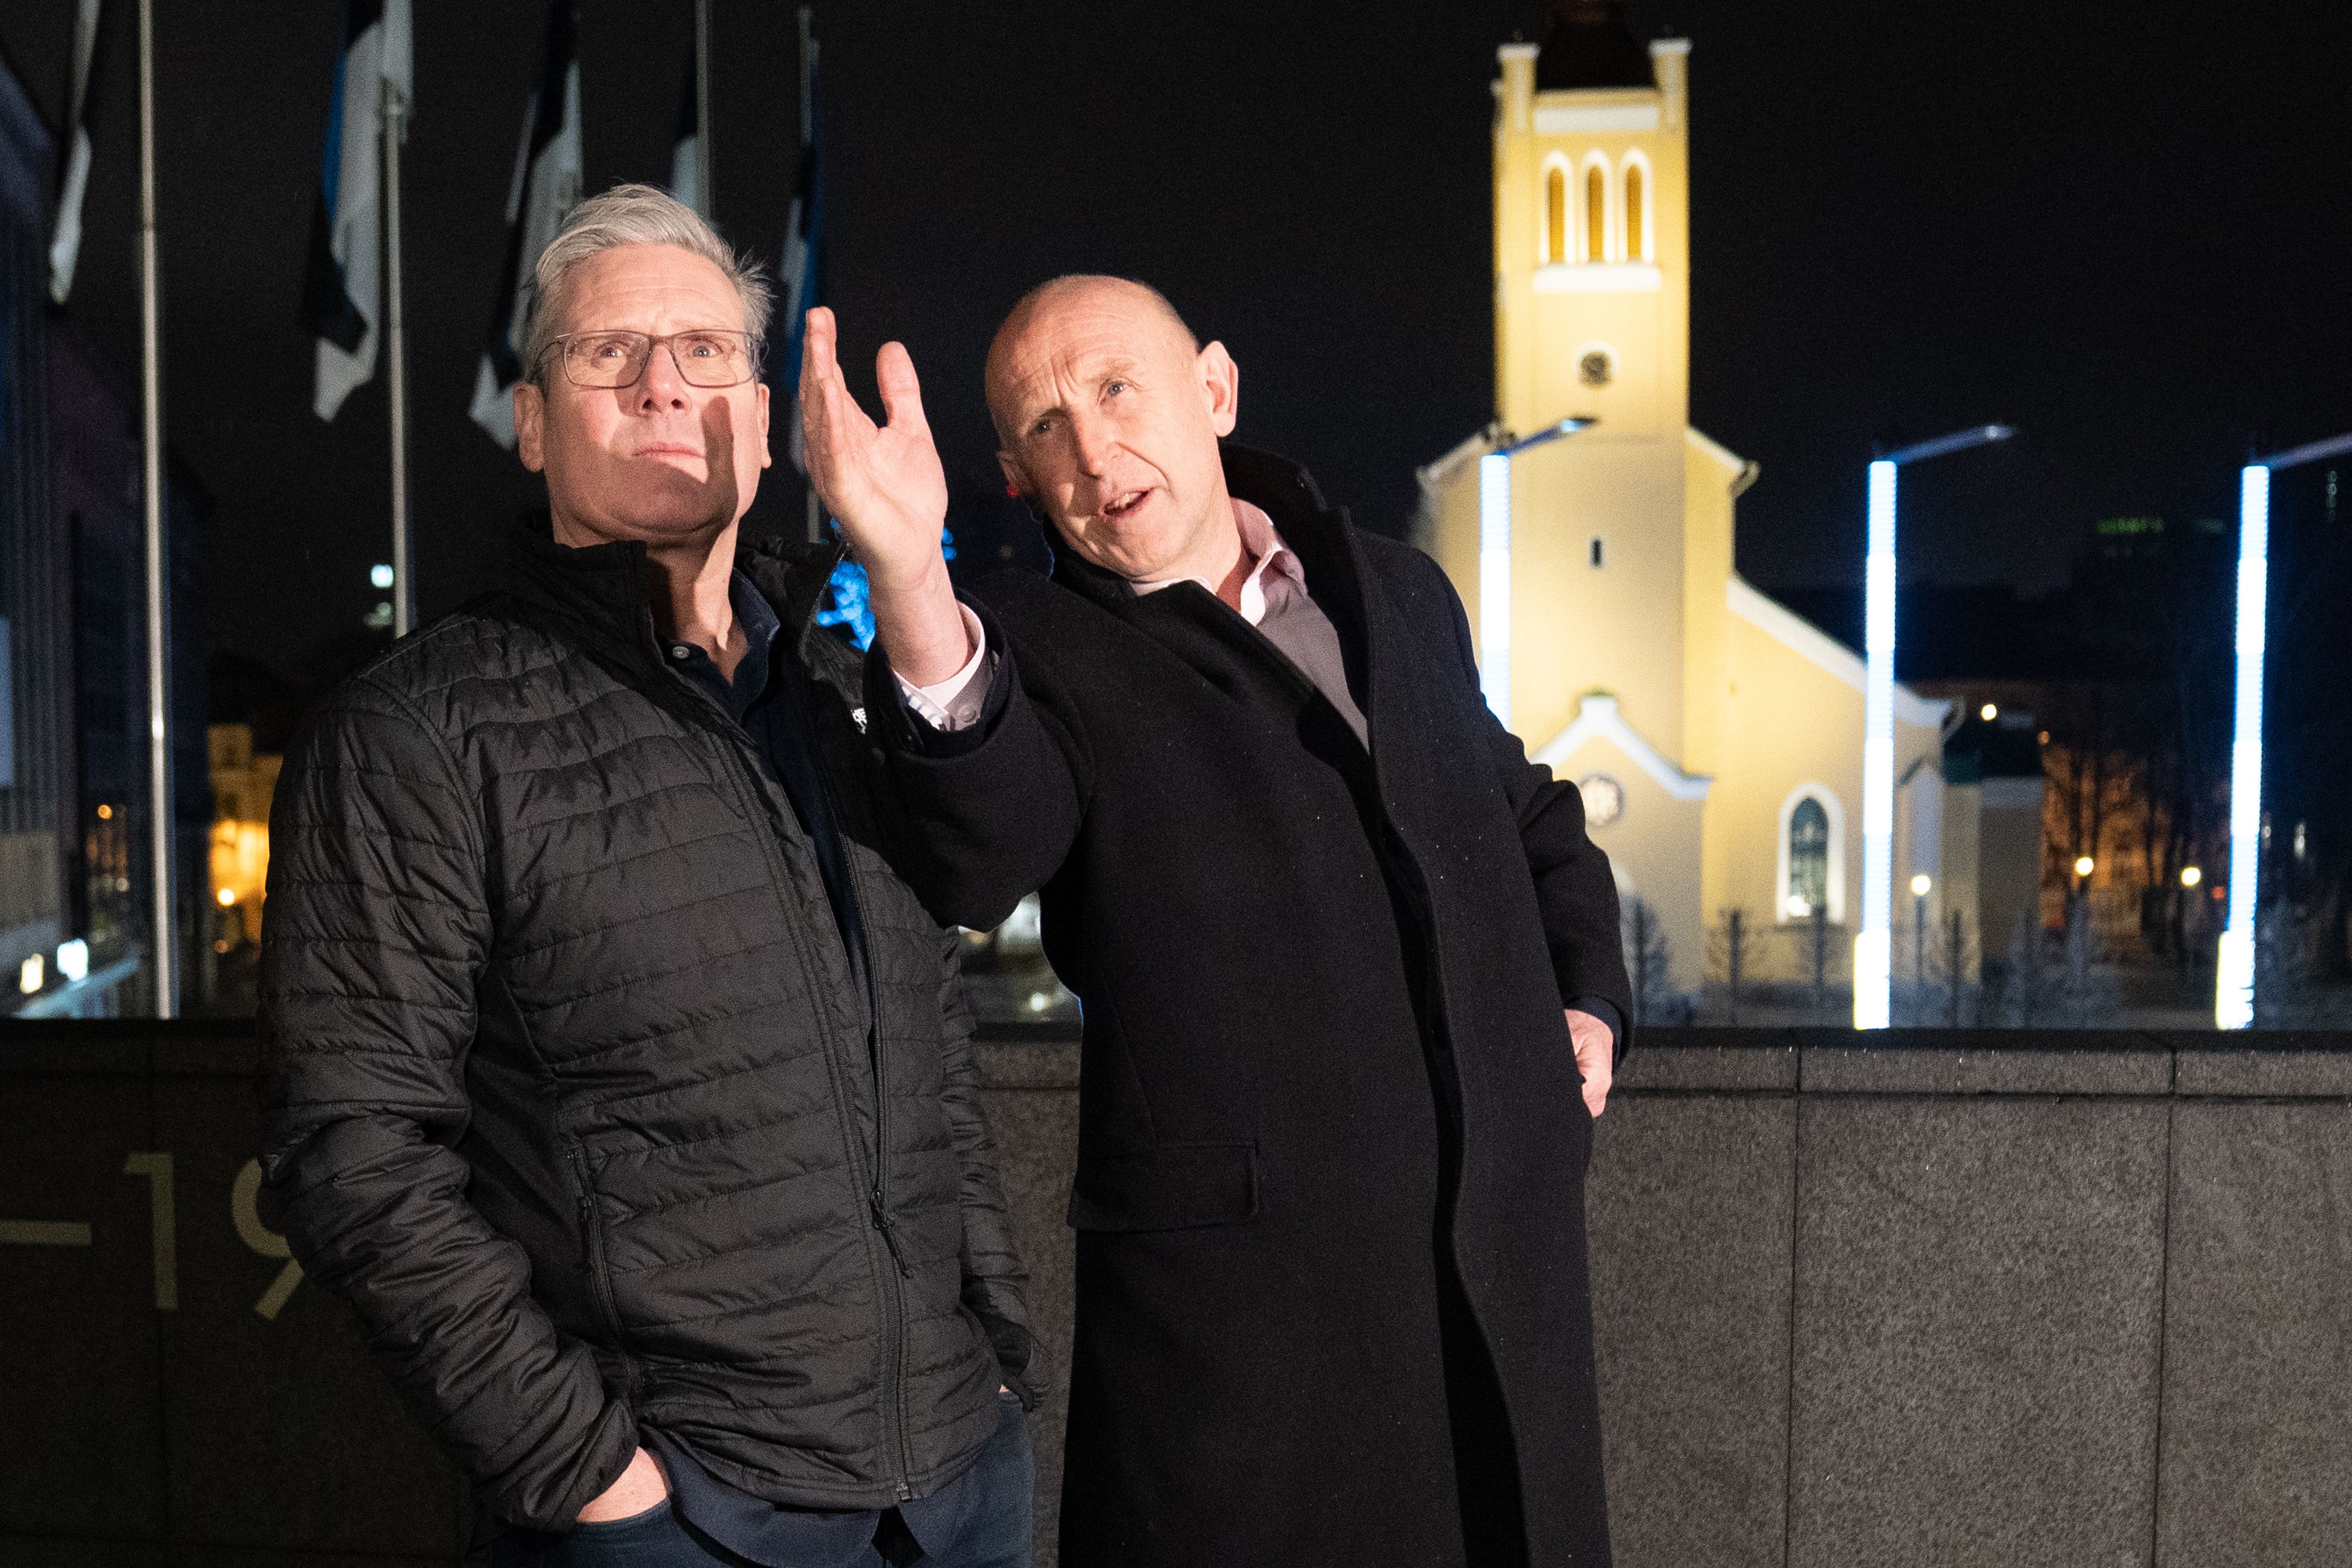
(954, 703)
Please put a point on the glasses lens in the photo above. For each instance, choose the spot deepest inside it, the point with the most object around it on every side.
(713, 359)
(605, 358)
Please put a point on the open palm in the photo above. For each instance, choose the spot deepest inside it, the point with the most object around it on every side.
(883, 482)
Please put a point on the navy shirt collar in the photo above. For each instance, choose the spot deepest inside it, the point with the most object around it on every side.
(757, 619)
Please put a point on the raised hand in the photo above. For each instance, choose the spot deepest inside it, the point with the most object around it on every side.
(883, 483)
(886, 485)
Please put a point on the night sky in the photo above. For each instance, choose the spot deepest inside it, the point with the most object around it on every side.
(2121, 228)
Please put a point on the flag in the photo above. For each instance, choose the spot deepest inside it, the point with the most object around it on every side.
(546, 188)
(73, 175)
(342, 297)
(686, 145)
(804, 258)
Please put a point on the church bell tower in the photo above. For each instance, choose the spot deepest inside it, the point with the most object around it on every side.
(1593, 317)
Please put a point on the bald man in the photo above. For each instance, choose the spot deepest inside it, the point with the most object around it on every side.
(1348, 961)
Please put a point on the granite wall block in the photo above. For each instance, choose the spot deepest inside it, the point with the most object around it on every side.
(82, 1428)
(2257, 1457)
(1977, 1332)
(1689, 1204)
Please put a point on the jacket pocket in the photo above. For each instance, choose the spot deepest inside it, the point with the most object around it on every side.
(1172, 1187)
(592, 1240)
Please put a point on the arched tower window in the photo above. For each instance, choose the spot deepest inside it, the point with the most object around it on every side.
(1809, 857)
(1596, 214)
(1555, 214)
(1637, 230)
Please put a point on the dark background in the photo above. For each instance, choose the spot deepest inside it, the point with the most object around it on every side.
(2121, 228)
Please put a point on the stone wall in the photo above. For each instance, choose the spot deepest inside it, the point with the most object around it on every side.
(1956, 1299)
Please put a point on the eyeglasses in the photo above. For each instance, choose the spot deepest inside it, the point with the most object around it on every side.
(707, 357)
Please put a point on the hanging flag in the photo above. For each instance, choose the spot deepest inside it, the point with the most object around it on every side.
(342, 297)
(686, 145)
(804, 258)
(546, 188)
(73, 176)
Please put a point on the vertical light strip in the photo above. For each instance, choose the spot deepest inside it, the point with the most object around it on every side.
(1494, 583)
(1873, 945)
(2233, 988)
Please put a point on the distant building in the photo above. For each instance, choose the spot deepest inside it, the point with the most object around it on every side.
(74, 796)
(1717, 736)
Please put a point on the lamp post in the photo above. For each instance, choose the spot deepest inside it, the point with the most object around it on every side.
(1920, 887)
(2233, 970)
(1494, 560)
(1873, 945)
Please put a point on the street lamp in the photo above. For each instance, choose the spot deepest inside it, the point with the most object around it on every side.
(1873, 946)
(1494, 560)
(2233, 970)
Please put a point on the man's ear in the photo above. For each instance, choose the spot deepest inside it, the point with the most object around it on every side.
(529, 422)
(767, 458)
(1221, 383)
(1015, 479)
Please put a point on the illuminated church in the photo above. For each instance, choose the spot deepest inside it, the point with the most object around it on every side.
(1716, 736)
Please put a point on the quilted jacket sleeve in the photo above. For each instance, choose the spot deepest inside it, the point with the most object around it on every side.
(994, 1278)
(377, 932)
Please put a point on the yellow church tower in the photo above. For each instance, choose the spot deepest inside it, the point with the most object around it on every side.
(1715, 736)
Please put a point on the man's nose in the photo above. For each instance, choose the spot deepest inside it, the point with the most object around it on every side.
(1091, 439)
(661, 386)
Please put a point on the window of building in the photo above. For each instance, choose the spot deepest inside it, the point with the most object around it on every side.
(1636, 231)
(1596, 214)
(1555, 214)
(1809, 857)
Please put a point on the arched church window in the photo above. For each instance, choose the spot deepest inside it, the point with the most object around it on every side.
(1596, 214)
(1555, 213)
(1808, 856)
(1634, 237)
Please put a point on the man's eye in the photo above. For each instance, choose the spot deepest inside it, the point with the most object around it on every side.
(1114, 389)
(1040, 427)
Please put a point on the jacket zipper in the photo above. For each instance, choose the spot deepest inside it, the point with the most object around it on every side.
(893, 1333)
(895, 1392)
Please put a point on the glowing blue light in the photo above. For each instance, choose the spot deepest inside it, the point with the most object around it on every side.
(2234, 991)
(380, 575)
(1494, 583)
(1874, 944)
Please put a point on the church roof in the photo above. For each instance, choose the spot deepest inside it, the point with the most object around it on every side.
(1590, 46)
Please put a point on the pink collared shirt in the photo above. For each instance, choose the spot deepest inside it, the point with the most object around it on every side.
(1275, 577)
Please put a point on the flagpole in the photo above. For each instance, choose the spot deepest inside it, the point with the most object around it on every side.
(808, 134)
(702, 191)
(150, 378)
(396, 131)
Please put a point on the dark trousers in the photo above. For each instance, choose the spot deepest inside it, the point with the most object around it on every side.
(994, 1534)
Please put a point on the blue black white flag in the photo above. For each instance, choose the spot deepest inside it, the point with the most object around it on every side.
(342, 297)
(73, 174)
(546, 188)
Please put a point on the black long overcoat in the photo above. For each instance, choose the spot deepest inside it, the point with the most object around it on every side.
(1322, 995)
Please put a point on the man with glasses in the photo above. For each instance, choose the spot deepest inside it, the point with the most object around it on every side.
(609, 1075)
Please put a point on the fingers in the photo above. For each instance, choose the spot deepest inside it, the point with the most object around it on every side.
(902, 393)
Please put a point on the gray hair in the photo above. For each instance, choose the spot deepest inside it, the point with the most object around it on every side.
(631, 214)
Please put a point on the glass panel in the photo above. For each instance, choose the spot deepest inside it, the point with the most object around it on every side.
(1808, 856)
(1635, 235)
(1596, 214)
(1555, 215)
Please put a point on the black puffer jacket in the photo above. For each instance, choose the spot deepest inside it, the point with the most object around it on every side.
(568, 1091)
